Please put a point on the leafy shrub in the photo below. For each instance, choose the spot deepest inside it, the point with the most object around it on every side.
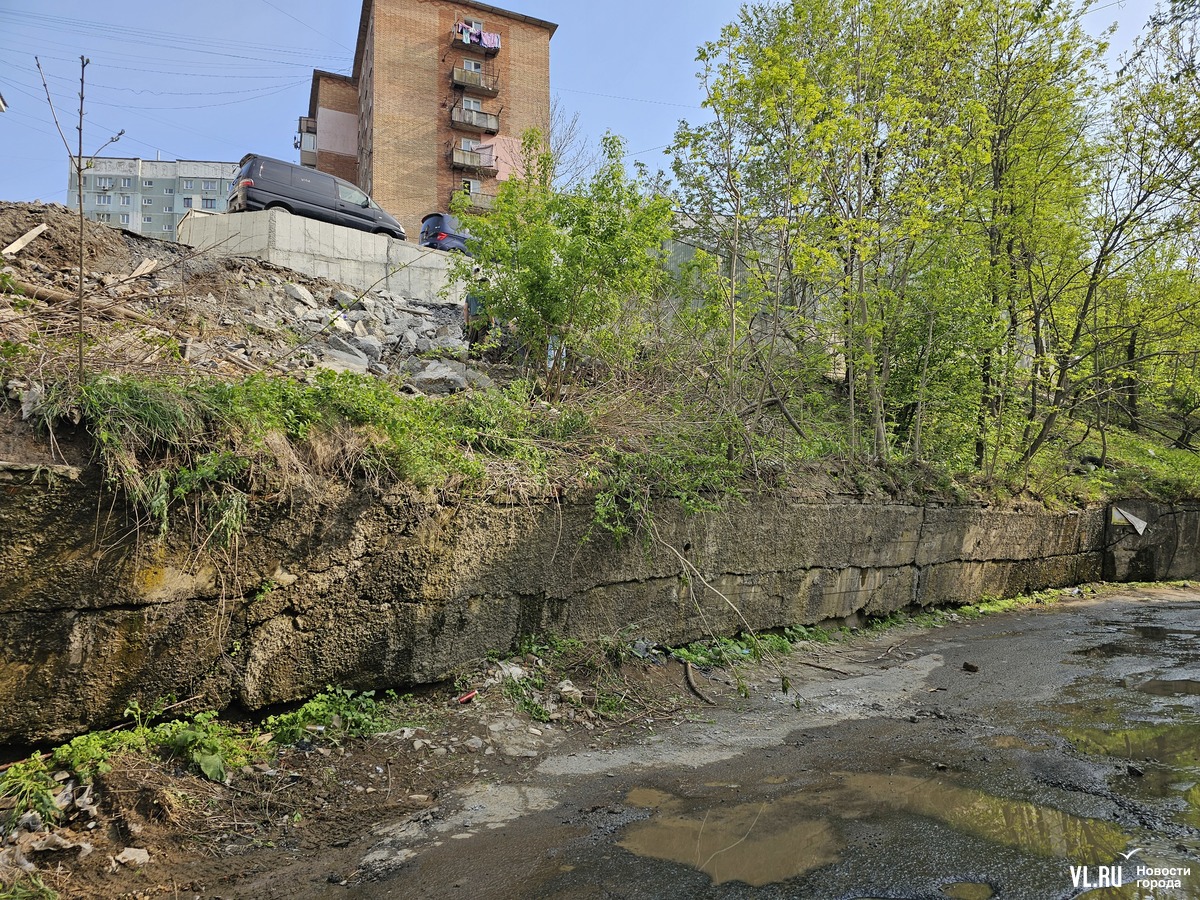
(335, 714)
(28, 785)
(211, 746)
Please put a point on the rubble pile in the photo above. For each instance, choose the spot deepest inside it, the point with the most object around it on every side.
(159, 306)
(26, 838)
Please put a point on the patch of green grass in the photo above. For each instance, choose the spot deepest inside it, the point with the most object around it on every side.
(550, 646)
(524, 694)
(26, 887)
(177, 446)
(1135, 465)
(797, 633)
(731, 651)
(691, 466)
(208, 744)
(205, 743)
(337, 714)
(27, 785)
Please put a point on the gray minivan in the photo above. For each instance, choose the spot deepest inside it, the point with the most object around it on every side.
(265, 183)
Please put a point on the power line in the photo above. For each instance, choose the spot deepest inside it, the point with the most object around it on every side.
(106, 66)
(112, 87)
(306, 25)
(258, 95)
(56, 25)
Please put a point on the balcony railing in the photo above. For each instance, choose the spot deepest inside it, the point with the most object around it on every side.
(306, 141)
(479, 201)
(473, 161)
(475, 120)
(477, 82)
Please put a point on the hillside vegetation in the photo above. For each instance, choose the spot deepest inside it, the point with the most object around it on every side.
(916, 248)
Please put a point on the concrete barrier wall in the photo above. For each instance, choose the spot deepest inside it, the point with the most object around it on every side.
(344, 255)
(372, 591)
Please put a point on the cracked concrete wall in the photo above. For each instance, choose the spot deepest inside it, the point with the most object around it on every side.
(371, 592)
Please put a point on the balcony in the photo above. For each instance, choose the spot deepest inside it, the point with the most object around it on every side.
(485, 42)
(479, 161)
(474, 120)
(476, 82)
(306, 141)
(479, 201)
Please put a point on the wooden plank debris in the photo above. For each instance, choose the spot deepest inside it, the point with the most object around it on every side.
(23, 241)
(145, 268)
(108, 309)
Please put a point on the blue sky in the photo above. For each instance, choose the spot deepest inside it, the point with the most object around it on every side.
(216, 79)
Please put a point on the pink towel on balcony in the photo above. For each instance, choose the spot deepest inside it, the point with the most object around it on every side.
(490, 40)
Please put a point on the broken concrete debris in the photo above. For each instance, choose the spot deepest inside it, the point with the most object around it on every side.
(226, 315)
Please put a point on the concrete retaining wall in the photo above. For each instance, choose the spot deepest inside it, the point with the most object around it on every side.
(369, 592)
(345, 255)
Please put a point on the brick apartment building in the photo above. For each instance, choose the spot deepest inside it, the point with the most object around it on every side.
(440, 94)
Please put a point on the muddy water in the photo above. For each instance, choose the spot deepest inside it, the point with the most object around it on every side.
(773, 840)
(1062, 763)
(1132, 719)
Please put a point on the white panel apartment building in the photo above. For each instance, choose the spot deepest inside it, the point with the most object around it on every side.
(150, 196)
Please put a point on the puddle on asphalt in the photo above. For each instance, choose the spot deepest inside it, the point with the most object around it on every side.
(776, 839)
(1134, 645)
(1175, 744)
(1111, 650)
(758, 843)
(1165, 760)
(968, 890)
(1162, 633)
(1168, 687)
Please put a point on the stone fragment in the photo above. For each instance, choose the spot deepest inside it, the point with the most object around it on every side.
(567, 690)
(133, 856)
(301, 293)
(341, 345)
(369, 346)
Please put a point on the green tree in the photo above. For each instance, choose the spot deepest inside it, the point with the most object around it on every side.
(564, 267)
(1143, 196)
(1034, 79)
(829, 176)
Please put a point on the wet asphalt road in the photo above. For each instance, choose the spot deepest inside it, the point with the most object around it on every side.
(1047, 753)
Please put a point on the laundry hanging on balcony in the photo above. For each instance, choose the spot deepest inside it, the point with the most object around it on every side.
(468, 34)
(463, 31)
